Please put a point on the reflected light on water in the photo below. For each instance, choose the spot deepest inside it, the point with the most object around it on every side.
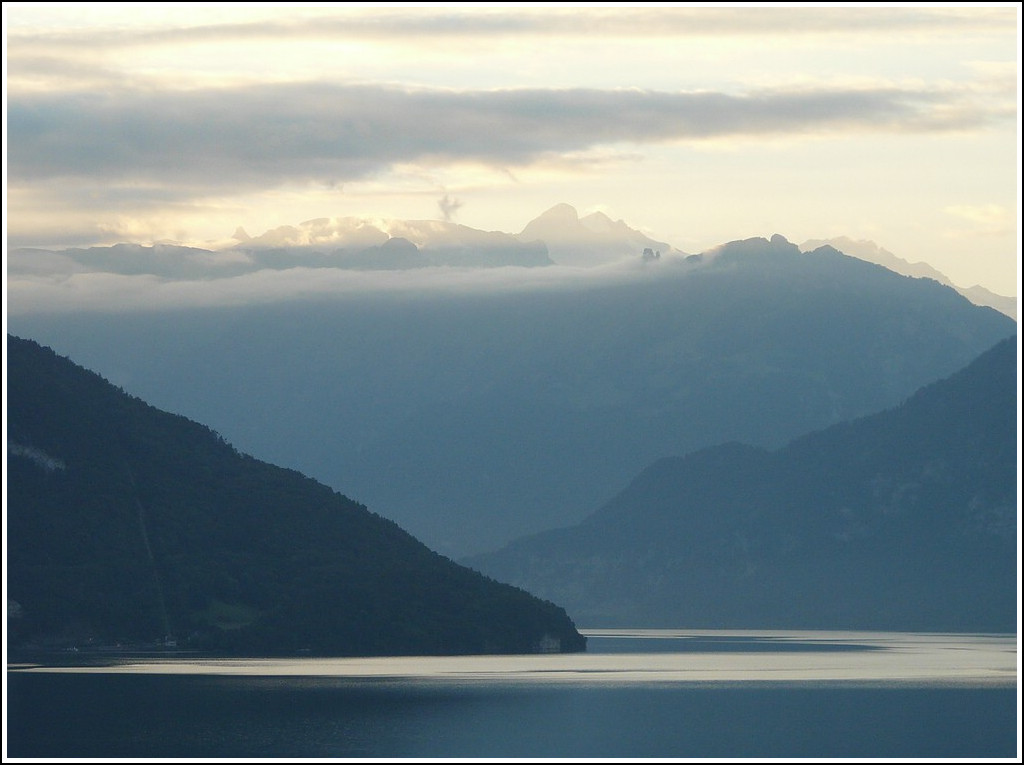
(681, 656)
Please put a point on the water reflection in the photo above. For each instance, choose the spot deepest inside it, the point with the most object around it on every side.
(652, 656)
(647, 694)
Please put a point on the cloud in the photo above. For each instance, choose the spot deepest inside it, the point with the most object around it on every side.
(34, 70)
(30, 293)
(426, 25)
(984, 220)
(986, 215)
(213, 140)
(448, 206)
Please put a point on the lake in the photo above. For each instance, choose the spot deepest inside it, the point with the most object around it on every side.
(635, 693)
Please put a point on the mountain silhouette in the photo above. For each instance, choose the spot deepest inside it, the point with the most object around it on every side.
(872, 253)
(905, 519)
(127, 524)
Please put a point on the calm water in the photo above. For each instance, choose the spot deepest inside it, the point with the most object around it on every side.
(656, 693)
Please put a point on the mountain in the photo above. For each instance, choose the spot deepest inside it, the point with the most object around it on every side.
(872, 253)
(369, 244)
(346, 243)
(981, 296)
(906, 519)
(167, 261)
(591, 240)
(473, 413)
(129, 524)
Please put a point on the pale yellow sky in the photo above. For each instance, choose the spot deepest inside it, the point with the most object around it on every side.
(699, 125)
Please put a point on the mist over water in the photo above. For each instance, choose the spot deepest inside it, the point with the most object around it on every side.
(653, 693)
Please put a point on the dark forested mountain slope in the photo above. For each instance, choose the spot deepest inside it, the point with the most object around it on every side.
(905, 519)
(125, 523)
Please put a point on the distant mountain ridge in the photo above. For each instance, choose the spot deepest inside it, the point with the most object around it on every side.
(363, 244)
(590, 240)
(129, 525)
(341, 243)
(558, 236)
(906, 519)
(872, 253)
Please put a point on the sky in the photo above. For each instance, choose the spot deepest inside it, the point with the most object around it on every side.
(698, 125)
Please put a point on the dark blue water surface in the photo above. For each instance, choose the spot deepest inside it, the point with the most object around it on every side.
(61, 715)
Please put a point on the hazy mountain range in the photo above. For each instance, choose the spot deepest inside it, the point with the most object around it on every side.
(126, 524)
(352, 243)
(871, 252)
(906, 519)
(590, 240)
(342, 243)
(559, 236)
(473, 410)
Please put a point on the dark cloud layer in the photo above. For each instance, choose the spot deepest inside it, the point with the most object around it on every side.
(261, 136)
